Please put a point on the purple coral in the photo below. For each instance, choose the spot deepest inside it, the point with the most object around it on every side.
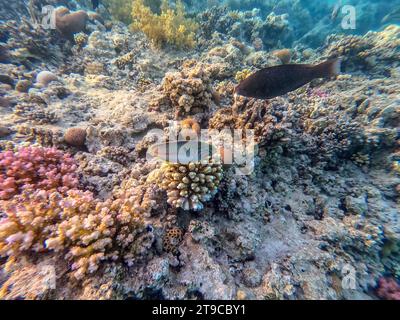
(388, 289)
(36, 168)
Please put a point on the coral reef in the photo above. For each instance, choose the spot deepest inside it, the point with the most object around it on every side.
(376, 52)
(319, 200)
(90, 230)
(35, 113)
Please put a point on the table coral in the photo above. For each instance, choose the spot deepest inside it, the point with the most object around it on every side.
(36, 168)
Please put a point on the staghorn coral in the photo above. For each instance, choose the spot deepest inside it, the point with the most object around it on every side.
(169, 27)
(190, 91)
(32, 168)
(189, 186)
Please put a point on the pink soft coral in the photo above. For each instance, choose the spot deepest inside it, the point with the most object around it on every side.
(388, 289)
(36, 168)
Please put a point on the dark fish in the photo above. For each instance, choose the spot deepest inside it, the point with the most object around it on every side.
(276, 81)
(95, 4)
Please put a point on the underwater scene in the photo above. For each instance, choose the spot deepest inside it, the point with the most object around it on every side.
(199, 150)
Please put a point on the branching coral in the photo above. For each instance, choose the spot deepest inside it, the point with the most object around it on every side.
(86, 229)
(36, 168)
(189, 186)
(169, 27)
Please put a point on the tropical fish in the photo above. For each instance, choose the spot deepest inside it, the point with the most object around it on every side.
(392, 16)
(182, 152)
(335, 11)
(95, 4)
(275, 81)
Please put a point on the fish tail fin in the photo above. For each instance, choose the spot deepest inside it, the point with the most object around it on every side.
(329, 68)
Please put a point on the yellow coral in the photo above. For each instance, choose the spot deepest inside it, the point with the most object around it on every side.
(241, 75)
(120, 9)
(169, 27)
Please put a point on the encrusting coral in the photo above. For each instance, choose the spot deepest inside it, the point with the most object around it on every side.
(172, 239)
(33, 168)
(169, 27)
(189, 186)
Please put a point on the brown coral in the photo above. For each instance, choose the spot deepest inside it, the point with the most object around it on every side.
(284, 55)
(69, 23)
(75, 137)
(172, 239)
